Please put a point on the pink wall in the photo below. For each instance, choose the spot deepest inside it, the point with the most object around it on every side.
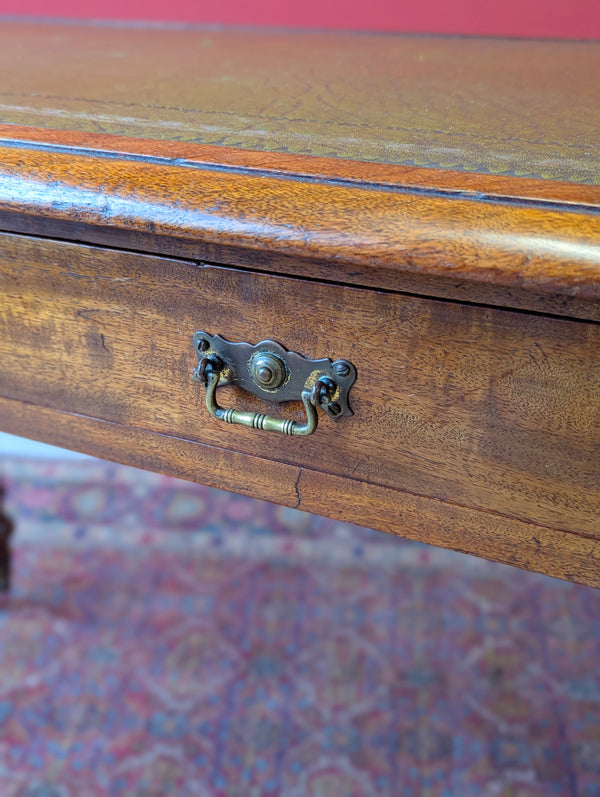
(550, 18)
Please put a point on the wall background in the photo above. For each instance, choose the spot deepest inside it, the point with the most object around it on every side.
(575, 19)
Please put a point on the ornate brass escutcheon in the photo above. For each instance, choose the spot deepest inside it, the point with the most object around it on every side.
(273, 373)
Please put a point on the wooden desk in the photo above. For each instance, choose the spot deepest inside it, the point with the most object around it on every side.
(425, 208)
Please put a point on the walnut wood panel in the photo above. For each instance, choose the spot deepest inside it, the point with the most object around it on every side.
(479, 105)
(514, 542)
(363, 233)
(483, 408)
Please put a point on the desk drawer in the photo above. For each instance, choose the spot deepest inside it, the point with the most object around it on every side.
(476, 408)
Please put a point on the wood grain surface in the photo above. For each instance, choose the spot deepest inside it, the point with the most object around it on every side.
(525, 545)
(349, 179)
(482, 408)
(340, 231)
(521, 108)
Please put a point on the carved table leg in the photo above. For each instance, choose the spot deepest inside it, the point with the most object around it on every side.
(6, 530)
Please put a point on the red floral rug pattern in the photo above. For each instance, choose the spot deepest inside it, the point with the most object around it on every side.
(168, 639)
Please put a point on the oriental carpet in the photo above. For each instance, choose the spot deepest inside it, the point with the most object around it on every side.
(167, 639)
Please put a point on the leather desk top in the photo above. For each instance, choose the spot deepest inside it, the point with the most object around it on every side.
(521, 108)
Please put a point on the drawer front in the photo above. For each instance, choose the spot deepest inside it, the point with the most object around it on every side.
(488, 409)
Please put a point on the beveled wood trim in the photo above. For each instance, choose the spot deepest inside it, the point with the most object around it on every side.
(255, 260)
(352, 228)
(526, 545)
(411, 178)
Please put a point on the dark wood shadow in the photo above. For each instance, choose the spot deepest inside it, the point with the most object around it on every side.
(6, 530)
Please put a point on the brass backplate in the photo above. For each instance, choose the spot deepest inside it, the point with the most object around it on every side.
(239, 367)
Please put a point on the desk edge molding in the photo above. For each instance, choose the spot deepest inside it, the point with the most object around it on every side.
(362, 225)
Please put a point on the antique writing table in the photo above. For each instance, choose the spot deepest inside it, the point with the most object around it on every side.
(419, 213)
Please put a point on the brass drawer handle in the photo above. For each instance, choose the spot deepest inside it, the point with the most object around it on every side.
(269, 371)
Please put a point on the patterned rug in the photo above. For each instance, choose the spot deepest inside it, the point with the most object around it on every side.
(169, 639)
